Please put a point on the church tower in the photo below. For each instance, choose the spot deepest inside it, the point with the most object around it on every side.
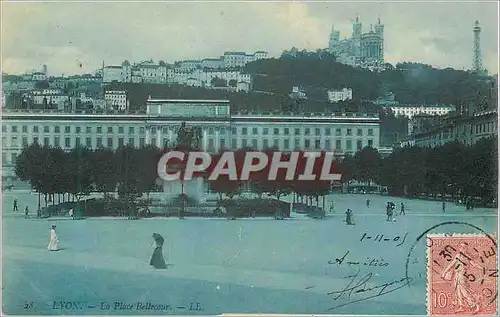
(334, 39)
(379, 30)
(356, 28)
(356, 37)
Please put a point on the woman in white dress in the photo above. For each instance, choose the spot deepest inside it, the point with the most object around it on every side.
(54, 240)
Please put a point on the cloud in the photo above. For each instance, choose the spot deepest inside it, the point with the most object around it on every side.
(67, 35)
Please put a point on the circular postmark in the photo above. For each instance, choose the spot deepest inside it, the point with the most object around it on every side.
(429, 243)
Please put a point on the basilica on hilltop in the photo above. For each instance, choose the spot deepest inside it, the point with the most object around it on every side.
(364, 50)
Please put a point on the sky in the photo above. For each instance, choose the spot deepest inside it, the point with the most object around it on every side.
(77, 37)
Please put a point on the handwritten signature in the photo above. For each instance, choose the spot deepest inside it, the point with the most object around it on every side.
(360, 286)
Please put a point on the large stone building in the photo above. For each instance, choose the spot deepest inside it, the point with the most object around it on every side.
(159, 125)
(362, 49)
(433, 131)
(413, 110)
(144, 72)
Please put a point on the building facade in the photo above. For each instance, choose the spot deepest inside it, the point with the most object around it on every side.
(413, 110)
(159, 126)
(464, 129)
(362, 49)
(339, 95)
(117, 99)
(240, 59)
(143, 72)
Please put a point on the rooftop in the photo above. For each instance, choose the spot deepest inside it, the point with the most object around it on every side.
(187, 101)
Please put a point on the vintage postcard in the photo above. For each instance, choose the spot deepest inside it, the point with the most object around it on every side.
(244, 158)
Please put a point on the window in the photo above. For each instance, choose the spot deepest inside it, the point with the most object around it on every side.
(265, 143)
(255, 131)
(4, 129)
(77, 142)
(297, 131)
(67, 142)
(35, 129)
(338, 132)
(316, 131)
(244, 131)
(244, 143)
(46, 141)
(328, 146)
(328, 131)
(317, 144)
(286, 144)
(265, 131)
(88, 142)
(234, 131)
(110, 129)
(88, 129)
(348, 145)
(14, 129)
(286, 131)
(359, 144)
(359, 132)
(370, 132)
(349, 132)
(99, 142)
(131, 142)
(210, 131)
(276, 143)
(297, 143)
(276, 131)
(120, 130)
(78, 129)
(25, 129)
(110, 142)
(57, 142)
(254, 143)
(142, 142)
(99, 130)
(222, 144)
(14, 141)
(25, 141)
(307, 143)
(222, 130)
(142, 130)
(164, 130)
(35, 140)
(307, 131)
(234, 144)
(13, 157)
(67, 129)
(370, 143)
(153, 141)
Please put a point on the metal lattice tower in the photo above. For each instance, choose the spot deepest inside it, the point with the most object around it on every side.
(477, 63)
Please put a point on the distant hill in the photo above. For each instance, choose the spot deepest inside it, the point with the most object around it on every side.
(411, 83)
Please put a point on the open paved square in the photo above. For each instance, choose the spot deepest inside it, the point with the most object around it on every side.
(299, 265)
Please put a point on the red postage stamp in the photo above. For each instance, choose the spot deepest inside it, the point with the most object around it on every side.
(461, 274)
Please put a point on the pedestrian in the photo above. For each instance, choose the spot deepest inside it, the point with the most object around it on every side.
(26, 211)
(402, 209)
(348, 217)
(444, 206)
(15, 204)
(157, 260)
(54, 240)
(332, 206)
(71, 214)
(368, 203)
(389, 211)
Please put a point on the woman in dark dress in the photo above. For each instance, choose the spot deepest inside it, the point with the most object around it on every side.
(157, 260)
